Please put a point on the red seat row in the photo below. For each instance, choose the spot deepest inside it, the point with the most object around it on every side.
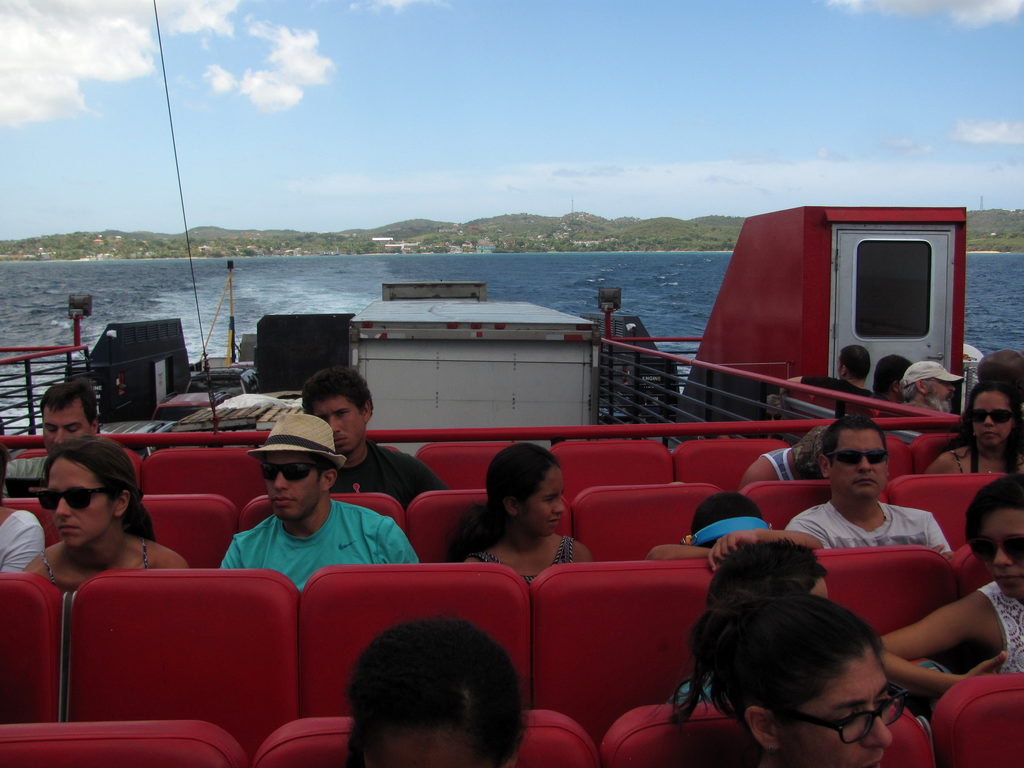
(243, 650)
(550, 740)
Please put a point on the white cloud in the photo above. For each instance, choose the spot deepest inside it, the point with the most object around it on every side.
(906, 146)
(989, 132)
(295, 63)
(49, 47)
(974, 13)
(394, 5)
(734, 187)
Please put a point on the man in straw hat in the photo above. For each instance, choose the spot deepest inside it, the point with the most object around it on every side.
(309, 530)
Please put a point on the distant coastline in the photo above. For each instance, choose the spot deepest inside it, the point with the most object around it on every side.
(989, 231)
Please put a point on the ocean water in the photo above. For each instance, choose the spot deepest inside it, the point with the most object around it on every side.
(672, 292)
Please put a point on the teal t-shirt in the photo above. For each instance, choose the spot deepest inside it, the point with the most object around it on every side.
(351, 535)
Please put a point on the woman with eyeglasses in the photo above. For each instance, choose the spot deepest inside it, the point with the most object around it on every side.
(991, 617)
(97, 510)
(803, 674)
(990, 433)
(517, 524)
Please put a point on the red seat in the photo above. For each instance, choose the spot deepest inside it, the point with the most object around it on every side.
(945, 496)
(30, 647)
(913, 580)
(432, 518)
(198, 526)
(258, 510)
(608, 637)
(344, 607)
(623, 522)
(969, 571)
(550, 740)
(900, 458)
(646, 737)
(782, 500)
(976, 723)
(611, 462)
(460, 465)
(152, 743)
(721, 462)
(230, 472)
(212, 645)
(926, 448)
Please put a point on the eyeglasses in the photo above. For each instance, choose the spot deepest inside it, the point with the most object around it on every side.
(292, 472)
(855, 727)
(998, 416)
(986, 549)
(850, 456)
(76, 498)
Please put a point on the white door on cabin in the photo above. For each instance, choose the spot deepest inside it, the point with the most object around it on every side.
(892, 291)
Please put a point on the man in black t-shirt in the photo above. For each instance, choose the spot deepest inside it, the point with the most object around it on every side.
(341, 397)
(854, 364)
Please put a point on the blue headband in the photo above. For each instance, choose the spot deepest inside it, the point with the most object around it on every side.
(707, 535)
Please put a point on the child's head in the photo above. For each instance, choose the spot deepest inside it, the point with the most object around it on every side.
(767, 569)
(723, 513)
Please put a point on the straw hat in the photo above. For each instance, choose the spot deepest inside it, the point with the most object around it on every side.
(304, 433)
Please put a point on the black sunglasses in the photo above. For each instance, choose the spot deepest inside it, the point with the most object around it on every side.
(76, 498)
(292, 472)
(985, 549)
(999, 415)
(850, 456)
(855, 727)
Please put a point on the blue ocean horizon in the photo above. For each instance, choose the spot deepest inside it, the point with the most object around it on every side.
(672, 292)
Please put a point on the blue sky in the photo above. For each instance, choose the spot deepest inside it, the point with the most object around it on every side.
(332, 114)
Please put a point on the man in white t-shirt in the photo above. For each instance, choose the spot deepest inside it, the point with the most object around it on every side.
(855, 461)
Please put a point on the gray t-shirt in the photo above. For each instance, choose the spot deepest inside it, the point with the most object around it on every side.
(903, 525)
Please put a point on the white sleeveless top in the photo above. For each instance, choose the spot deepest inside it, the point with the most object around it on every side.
(1011, 620)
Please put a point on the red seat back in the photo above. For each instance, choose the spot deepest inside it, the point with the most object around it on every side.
(344, 607)
(550, 740)
(152, 743)
(258, 510)
(611, 462)
(608, 637)
(900, 458)
(721, 462)
(30, 647)
(969, 571)
(212, 645)
(623, 522)
(198, 526)
(646, 737)
(460, 465)
(926, 448)
(228, 471)
(976, 723)
(889, 587)
(945, 496)
(782, 500)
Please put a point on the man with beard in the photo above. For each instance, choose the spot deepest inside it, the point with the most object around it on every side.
(928, 385)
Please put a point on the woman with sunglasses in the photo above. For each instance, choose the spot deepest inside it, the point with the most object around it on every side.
(991, 617)
(990, 433)
(517, 525)
(97, 510)
(803, 674)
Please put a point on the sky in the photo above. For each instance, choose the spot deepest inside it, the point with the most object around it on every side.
(326, 115)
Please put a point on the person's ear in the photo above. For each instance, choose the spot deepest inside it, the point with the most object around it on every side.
(511, 505)
(328, 478)
(824, 464)
(121, 503)
(763, 726)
